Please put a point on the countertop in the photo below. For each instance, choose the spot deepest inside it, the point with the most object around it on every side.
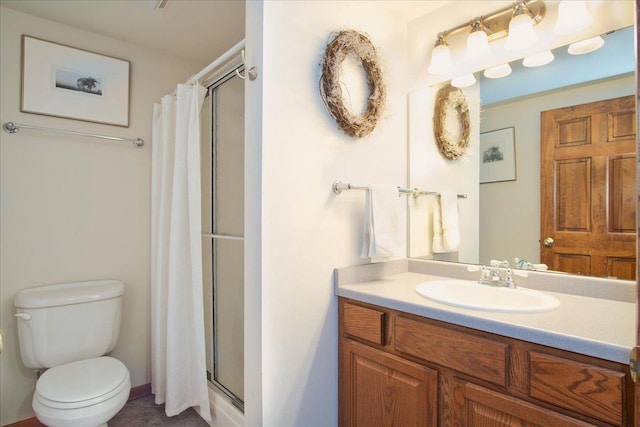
(594, 326)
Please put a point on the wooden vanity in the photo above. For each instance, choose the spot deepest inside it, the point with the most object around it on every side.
(403, 369)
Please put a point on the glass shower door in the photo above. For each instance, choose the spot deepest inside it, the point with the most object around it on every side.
(223, 238)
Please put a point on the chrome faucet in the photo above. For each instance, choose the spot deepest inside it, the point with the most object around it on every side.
(494, 275)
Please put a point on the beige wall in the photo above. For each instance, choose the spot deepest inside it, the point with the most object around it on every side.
(75, 208)
(512, 209)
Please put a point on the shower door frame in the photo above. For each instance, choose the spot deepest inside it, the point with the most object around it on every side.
(221, 77)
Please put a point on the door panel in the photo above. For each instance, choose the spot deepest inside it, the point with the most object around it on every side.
(622, 170)
(588, 181)
(573, 210)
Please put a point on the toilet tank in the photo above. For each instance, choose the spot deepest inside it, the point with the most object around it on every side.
(63, 323)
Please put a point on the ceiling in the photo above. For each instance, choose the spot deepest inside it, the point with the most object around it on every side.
(192, 30)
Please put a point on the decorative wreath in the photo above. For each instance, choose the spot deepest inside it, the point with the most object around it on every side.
(451, 100)
(350, 42)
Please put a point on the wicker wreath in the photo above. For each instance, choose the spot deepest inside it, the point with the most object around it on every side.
(451, 100)
(345, 43)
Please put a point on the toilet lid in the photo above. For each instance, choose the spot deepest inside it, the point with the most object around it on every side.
(75, 383)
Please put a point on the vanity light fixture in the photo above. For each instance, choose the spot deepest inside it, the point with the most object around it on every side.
(477, 43)
(521, 34)
(441, 62)
(586, 46)
(498, 71)
(573, 16)
(515, 21)
(464, 81)
(538, 59)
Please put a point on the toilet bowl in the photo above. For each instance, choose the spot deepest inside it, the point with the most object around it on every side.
(86, 393)
(70, 328)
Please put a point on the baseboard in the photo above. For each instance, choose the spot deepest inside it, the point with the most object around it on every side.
(136, 393)
(140, 391)
(29, 422)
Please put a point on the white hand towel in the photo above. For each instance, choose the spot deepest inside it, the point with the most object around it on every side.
(382, 237)
(438, 242)
(450, 228)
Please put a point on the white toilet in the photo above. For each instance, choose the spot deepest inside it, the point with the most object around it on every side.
(68, 328)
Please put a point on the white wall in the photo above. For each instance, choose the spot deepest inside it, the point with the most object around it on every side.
(510, 211)
(75, 208)
(307, 231)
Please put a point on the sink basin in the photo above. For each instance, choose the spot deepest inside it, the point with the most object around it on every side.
(470, 294)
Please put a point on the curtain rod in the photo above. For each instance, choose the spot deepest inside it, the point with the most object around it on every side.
(217, 62)
(11, 127)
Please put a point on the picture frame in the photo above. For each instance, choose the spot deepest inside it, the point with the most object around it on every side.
(498, 156)
(67, 82)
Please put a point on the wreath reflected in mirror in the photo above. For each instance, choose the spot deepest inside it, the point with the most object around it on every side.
(350, 42)
(451, 122)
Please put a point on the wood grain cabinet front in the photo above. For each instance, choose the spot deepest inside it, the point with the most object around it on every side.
(486, 408)
(398, 369)
(592, 390)
(380, 389)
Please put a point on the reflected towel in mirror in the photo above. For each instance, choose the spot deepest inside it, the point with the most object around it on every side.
(446, 234)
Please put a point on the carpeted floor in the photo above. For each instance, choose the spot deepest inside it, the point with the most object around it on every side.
(144, 412)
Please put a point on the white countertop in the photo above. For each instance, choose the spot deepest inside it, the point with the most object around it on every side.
(603, 328)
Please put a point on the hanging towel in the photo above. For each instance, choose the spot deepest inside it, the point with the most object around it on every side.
(449, 212)
(382, 237)
(438, 238)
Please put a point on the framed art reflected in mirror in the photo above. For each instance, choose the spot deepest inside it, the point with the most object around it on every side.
(498, 156)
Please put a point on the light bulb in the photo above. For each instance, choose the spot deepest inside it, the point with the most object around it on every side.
(573, 16)
(586, 46)
(498, 71)
(464, 81)
(441, 62)
(521, 34)
(477, 44)
(538, 59)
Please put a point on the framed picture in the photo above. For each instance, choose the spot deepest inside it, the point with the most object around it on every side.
(498, 156)
(63, 81)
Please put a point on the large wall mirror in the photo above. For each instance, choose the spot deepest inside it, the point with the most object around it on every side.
(503, 218)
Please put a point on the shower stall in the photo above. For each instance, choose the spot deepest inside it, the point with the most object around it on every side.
(223, 229)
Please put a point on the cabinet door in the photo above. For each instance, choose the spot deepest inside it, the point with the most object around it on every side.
(487, 408)
(380, 389)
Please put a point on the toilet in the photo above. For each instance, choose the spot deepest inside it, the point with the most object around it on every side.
(69, 328)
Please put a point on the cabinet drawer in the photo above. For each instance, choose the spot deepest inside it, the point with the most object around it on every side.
(466, 353)
(485, 407)
(580, 387)
(365, 323)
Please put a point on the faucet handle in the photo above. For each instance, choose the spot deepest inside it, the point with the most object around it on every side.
(485, 274)
(499, 264)
(508, 278)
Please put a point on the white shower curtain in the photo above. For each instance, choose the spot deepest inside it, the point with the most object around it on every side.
(178, 365)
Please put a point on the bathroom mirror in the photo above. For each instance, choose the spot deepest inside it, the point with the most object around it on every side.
(509, 211)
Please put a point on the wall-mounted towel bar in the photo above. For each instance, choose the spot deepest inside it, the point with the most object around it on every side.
(339, 187)
(418, 193)
(11, 127)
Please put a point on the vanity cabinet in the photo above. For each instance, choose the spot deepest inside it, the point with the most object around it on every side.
(406, 370)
